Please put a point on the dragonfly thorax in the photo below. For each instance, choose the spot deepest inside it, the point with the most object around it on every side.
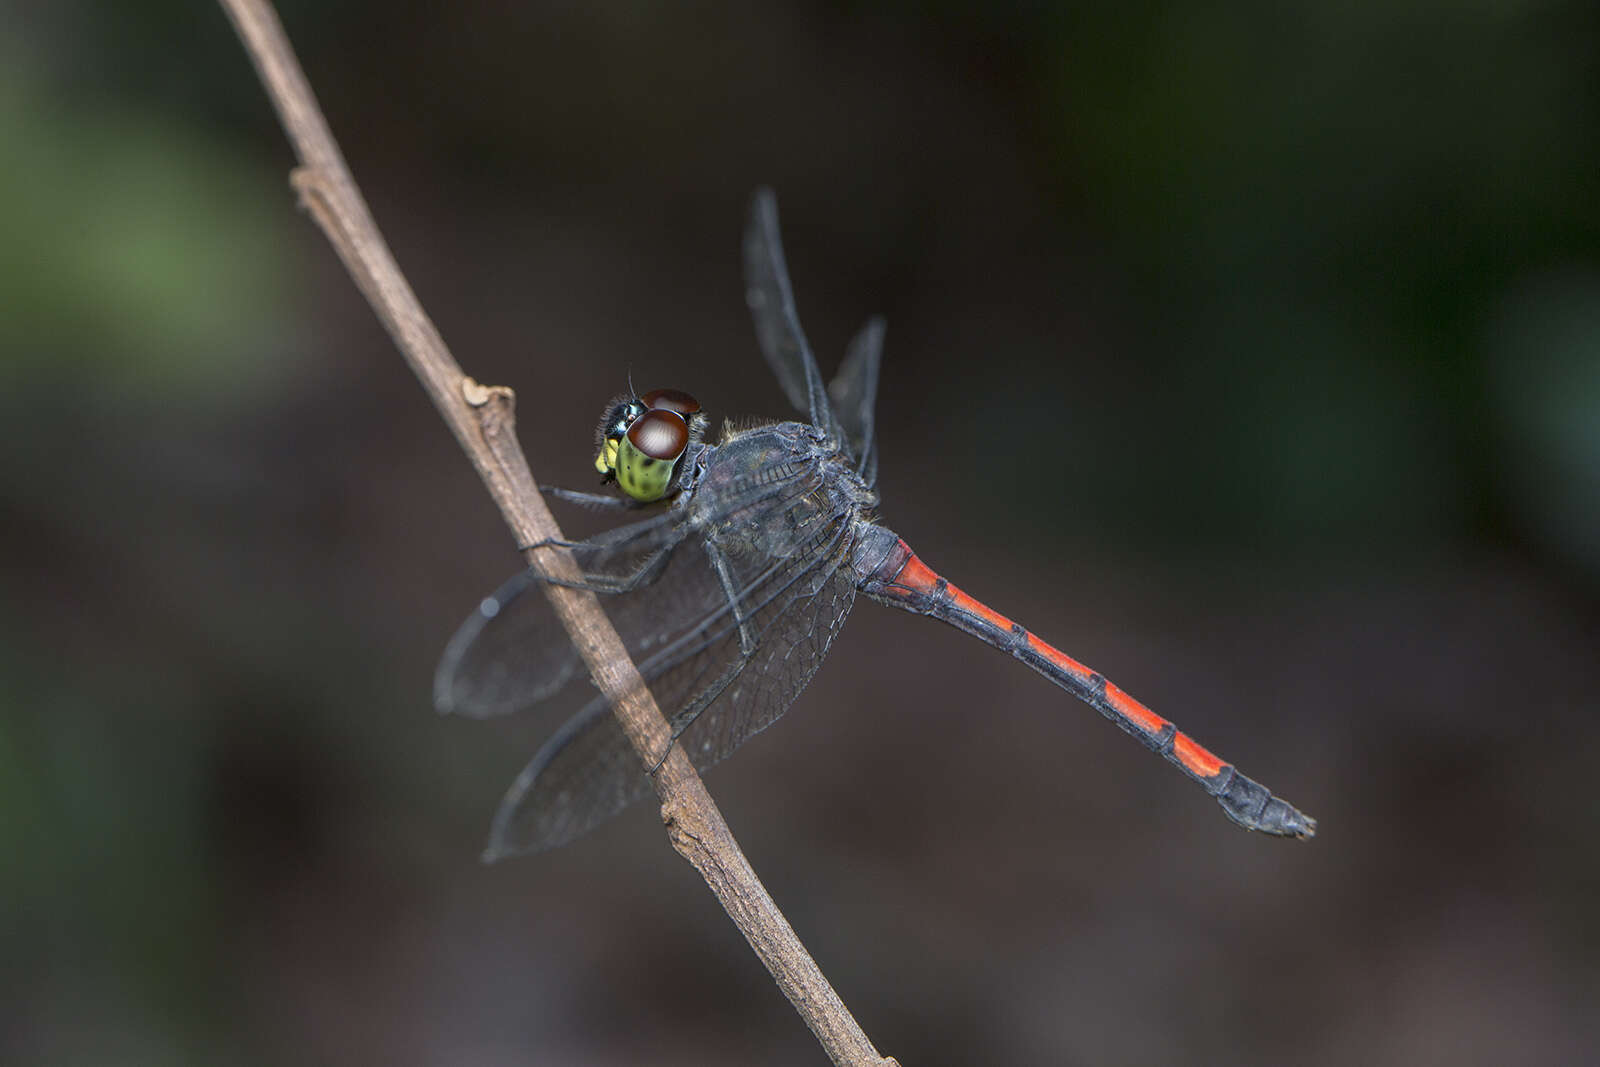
(641, 439)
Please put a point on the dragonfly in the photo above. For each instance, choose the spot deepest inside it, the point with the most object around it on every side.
(731, 582)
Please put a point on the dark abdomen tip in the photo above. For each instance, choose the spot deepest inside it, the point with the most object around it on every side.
(1250, 804)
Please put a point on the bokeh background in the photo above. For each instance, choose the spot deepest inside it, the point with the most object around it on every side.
(1251, 354)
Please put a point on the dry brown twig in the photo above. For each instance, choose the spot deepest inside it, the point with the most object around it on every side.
(481, 417)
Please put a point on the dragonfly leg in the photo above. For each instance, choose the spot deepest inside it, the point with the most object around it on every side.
(719, 563)
(596, 501)
(690, 713)
(656, 538)
(549, 542)
(611, 584)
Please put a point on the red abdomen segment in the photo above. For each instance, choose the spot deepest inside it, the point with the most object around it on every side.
(903, 580)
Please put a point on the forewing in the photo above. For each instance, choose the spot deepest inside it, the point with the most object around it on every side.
(854, 392)
(512, 653)
(719, 682)
(771, 301)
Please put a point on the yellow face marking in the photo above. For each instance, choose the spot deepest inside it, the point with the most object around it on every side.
(606, 461)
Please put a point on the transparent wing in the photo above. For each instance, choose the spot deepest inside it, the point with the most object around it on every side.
(512, 653)
(720, 681)
(854, 392)
(771, 301)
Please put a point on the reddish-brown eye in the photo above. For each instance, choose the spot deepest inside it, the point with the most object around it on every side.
(670, 400)
(659, 435)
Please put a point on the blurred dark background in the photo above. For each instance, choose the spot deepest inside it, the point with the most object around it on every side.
(1252, 355)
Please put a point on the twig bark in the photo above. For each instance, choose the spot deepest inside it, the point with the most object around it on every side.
(481, 417)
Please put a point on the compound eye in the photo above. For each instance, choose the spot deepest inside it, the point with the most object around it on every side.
(675, 400)
(659, 434)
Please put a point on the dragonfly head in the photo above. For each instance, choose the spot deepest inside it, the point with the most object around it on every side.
(641, 439)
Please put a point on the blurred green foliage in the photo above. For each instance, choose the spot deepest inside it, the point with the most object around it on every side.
(1545, 376)
(139, 249)
(1328, 205)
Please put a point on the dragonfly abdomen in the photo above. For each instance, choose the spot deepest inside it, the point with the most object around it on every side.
(897, 576)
